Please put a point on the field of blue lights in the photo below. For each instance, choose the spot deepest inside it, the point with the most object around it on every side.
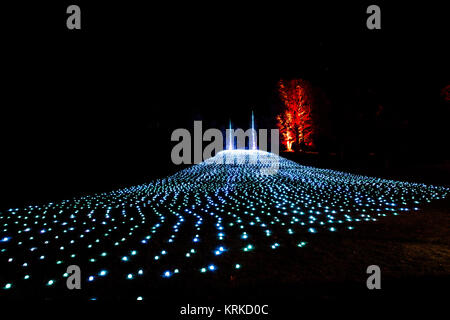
(207, 219)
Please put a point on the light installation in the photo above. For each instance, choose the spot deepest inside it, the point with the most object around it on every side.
(230, 138)
(202, 220)
(253, 143)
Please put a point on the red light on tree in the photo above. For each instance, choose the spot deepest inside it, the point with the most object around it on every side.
(445, 93)
(295, 121)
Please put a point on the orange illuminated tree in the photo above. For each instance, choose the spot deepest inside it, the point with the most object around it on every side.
(295, 121)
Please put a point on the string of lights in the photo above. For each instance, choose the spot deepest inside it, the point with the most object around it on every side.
(188, 222)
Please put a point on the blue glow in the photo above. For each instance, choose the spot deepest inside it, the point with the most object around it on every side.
(211, 198)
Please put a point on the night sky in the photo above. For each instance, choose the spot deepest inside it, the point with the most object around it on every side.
(93, 110)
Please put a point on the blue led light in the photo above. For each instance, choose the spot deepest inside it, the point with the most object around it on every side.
(211, 198)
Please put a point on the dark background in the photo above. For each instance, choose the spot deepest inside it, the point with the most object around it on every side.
(92, 110)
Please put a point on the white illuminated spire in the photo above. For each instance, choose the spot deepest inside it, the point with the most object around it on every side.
(230, 139)
(253, 146)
